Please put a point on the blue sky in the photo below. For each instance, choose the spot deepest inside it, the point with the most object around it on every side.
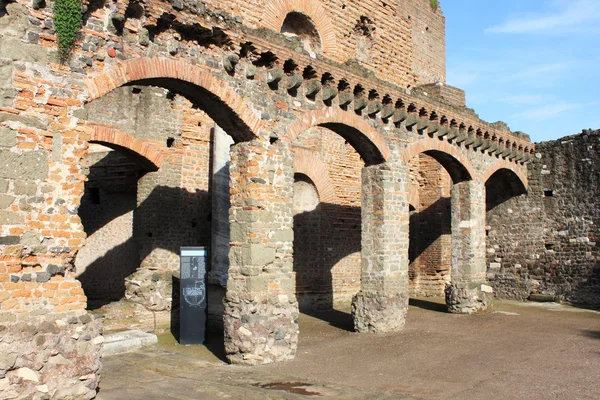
(531, 63)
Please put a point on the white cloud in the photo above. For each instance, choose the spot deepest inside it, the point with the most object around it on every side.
(548, 111)
(538, 72)
(566, 16)
(524, 99)
(461, 79)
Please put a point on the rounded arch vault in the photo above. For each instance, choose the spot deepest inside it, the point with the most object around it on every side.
(457, 165)
(369, 143)
(215, 97)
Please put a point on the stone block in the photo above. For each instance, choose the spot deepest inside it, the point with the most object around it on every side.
(8, 137)
(11, 218)
(29, 165)
(257, 284)
(25, 187)
(7, 97)
(9, 240)
(30, 238)
(42, 277)
(286, 235)
(17, 50)
(237, 232)
(373, 312)
(6, 200)
(28, 374)
(257, 254)
(126, 341)
(31, 122)
(3, 186)
(15, 22)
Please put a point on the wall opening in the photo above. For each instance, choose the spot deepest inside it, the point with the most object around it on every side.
(297, 24)
(306, 197)
(106, 212)
(430, 228)
(327, 238)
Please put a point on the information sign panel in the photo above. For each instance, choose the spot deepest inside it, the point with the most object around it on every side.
(192, 287)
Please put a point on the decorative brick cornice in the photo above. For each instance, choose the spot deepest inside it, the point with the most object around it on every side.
(430, 110)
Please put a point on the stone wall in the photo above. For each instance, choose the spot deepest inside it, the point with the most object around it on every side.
(154, 85)
(52, 358)
(547, 241)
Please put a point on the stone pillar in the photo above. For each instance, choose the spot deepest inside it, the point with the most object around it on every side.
(261, 312)
(219, 249)
(468, 291)
(382, 302)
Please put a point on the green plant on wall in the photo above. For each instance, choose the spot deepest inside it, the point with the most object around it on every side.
(434, 4)
(67, 22)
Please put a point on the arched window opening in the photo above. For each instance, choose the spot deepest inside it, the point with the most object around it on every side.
(301, 26)
(306, 197)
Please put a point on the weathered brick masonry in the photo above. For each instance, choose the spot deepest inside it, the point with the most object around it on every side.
(343, 101)
(546, 243)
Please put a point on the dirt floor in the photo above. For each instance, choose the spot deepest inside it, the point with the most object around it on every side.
(517, 351)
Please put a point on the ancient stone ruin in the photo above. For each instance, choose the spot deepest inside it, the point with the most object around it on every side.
(313, 146)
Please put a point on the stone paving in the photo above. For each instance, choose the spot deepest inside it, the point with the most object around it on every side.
(519, 350)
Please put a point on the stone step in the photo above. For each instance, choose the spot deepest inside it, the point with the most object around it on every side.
(126, 341)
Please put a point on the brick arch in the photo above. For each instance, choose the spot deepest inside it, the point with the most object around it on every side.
(369, 143)
(277, 10)
(506, 165)
(308, 163)
(457, 165)
(216, 97)
(147, 154)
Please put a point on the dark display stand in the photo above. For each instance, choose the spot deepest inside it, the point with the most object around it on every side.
(192, 292)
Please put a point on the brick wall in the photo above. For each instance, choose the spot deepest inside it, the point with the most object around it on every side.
(430, 230)
(400, 41)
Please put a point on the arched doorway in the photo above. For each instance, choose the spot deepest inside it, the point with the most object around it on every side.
(176, 107)
(467, 291)
(505, 191)
(430, 245)
(327, 238)
(382, 301)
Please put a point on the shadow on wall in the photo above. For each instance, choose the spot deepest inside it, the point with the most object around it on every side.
(327, 236)
(428, 226)
(325, 239)
(166, 220)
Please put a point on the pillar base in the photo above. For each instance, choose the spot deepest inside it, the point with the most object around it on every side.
(468, 297)
(261, 332)
(373, 312)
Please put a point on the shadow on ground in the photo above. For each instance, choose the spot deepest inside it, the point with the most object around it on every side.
(428, 305)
